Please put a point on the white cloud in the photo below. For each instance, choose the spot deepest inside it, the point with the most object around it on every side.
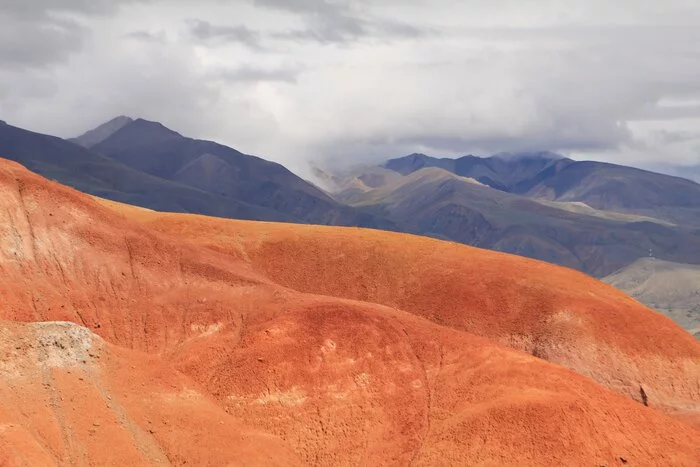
(618, 81)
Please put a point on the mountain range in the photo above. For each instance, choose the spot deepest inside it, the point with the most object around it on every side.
(531, 205)
(549, 176)
(591, 216)
(596, 217)
(143, 163)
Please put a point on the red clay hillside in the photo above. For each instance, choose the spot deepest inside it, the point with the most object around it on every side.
(131, 337)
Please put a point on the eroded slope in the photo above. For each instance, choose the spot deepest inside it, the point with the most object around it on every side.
(229, 342)
(69, 398)
(551, 312)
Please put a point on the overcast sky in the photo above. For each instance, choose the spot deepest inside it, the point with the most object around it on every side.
(299, 80)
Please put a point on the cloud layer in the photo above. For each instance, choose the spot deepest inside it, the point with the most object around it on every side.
(300, 80)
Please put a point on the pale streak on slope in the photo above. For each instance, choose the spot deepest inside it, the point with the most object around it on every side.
(671, 288)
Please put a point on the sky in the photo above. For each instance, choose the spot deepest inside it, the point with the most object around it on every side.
(366, 80)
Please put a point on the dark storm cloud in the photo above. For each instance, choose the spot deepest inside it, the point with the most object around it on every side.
(211, 33)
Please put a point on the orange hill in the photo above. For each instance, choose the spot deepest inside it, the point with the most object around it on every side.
(548, 311)
(250, 343)
(68, 397)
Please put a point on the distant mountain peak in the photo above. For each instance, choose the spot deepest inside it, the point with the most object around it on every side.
(136, 128)
(148, 125)
(416, 161)
(415, 157)
(102, 132)
(137, 133)
(418, 155)
(121, 119)
(509, 156)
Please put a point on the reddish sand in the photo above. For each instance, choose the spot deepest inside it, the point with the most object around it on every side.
(225, 342)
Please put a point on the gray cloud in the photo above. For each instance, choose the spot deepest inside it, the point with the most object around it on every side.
(338, 22)
(673, 137)
(321, 8)
(350, 30)
(326, 33)
(148, 36)
(37, 8)
(38, 33)
(255, 74)
(26, 43)
(208, 32)
(365, 80)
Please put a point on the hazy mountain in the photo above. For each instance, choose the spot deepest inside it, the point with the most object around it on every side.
(671, 288)
(598, 184)
(274, 192)
(102, 132)
(349, 186)
(152, 148)
(691, 172)
(610, 186)
(99, 175)
(506, 172)
(435, 202)
(144, 163)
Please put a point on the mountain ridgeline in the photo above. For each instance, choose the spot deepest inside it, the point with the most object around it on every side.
(590, 216)
(595, 217)
(550, 176)
(146, 164)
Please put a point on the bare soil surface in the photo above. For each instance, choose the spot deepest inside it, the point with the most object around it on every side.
(131, 337)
